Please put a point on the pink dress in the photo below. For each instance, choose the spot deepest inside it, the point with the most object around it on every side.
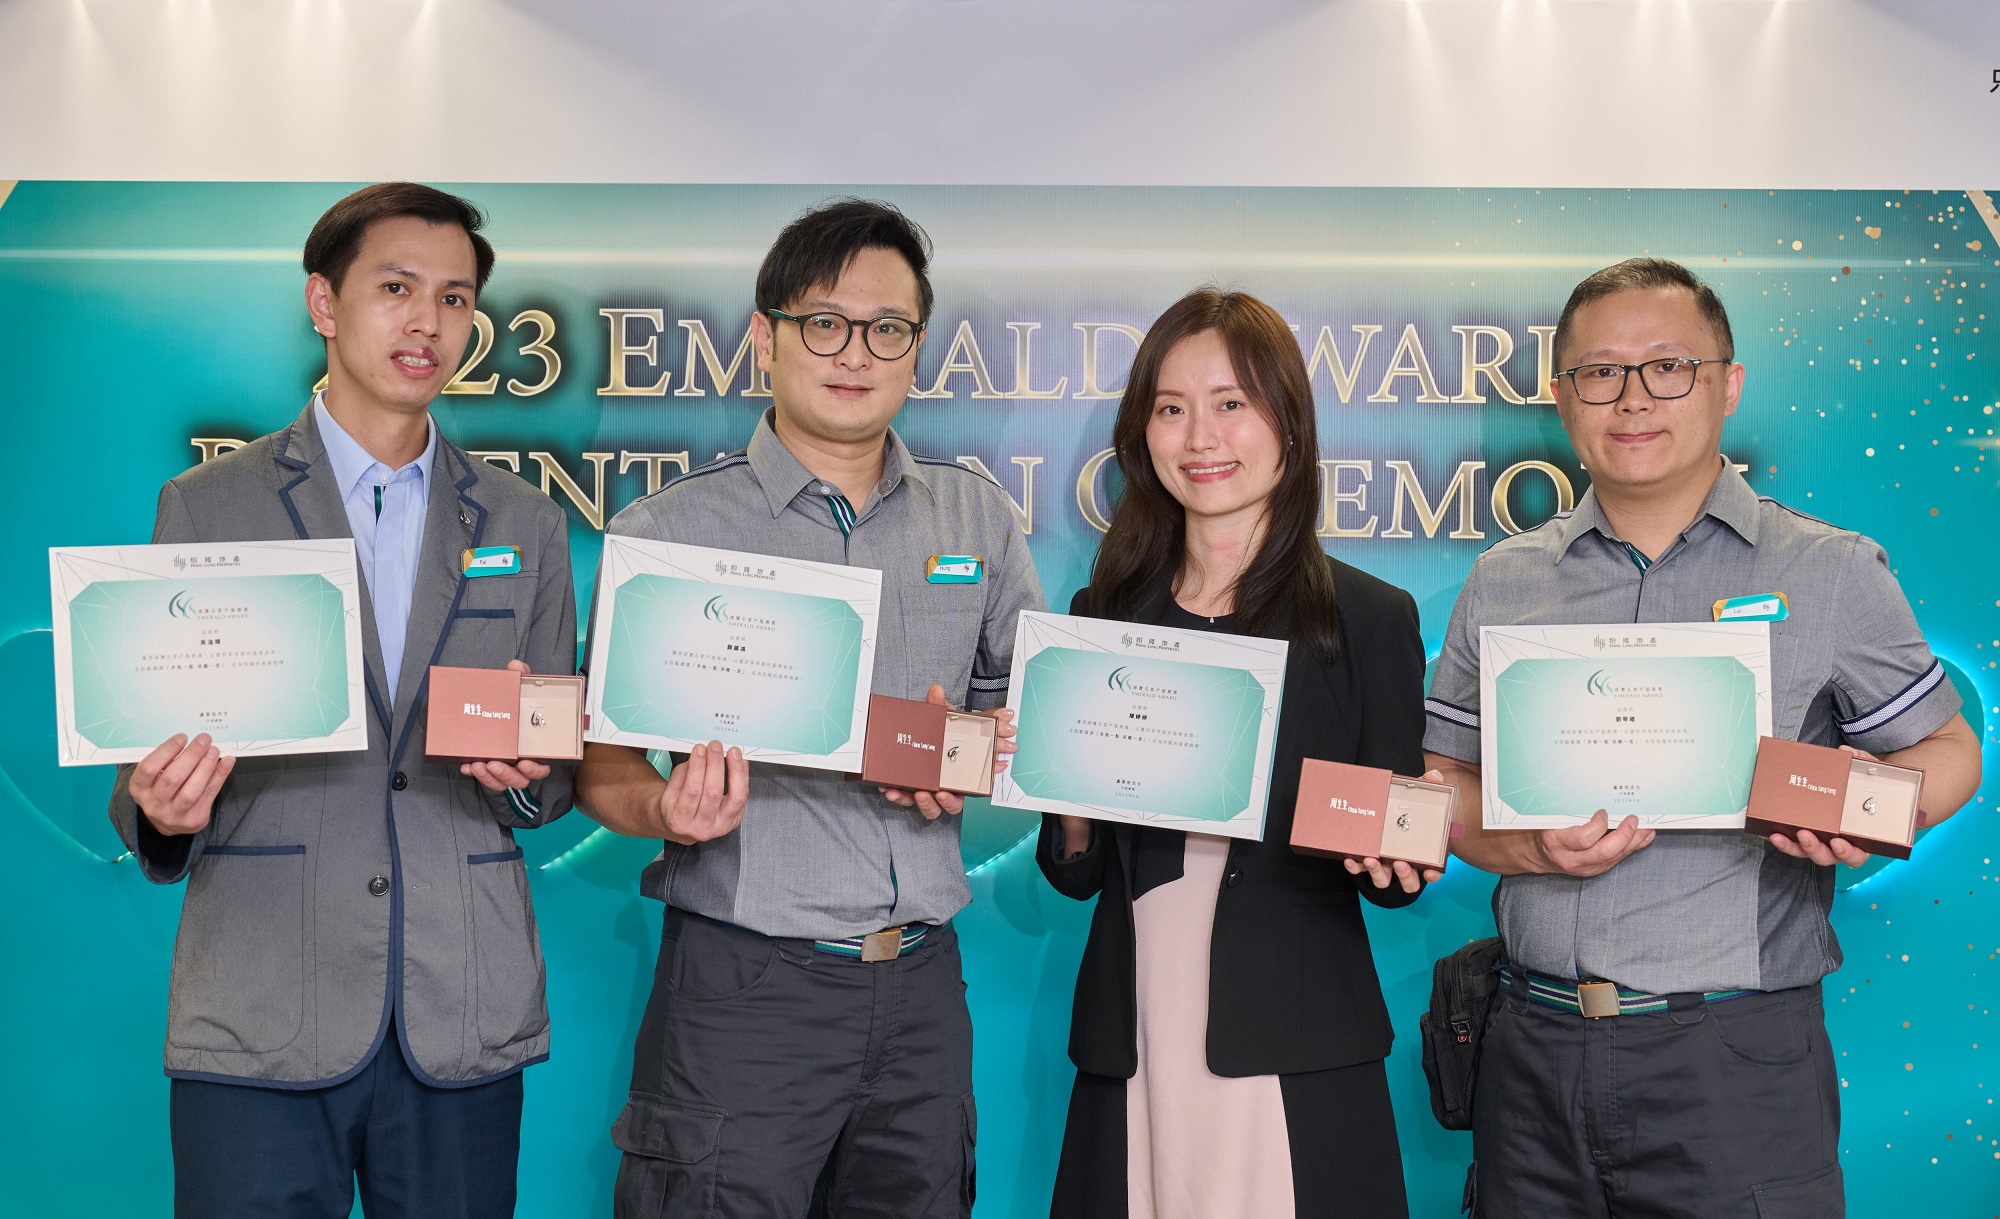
(1199, 1145)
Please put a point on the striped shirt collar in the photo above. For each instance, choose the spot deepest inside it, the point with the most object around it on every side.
(784, 478)
(1730, 501)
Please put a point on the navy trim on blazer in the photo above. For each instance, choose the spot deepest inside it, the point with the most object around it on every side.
(484, 613)
(495, 856)
(382, 712)
(215, 849)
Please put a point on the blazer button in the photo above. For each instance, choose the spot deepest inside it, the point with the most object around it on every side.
(379, 885)
(400, 782)
(1230, 880)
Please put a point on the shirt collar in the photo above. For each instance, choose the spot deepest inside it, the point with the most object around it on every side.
(784, 479)
(351, 463)
(1730, 501)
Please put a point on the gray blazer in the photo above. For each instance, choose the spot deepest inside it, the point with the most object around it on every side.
(290, 963)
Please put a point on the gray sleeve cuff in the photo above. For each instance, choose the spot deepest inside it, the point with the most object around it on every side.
(1919, 709)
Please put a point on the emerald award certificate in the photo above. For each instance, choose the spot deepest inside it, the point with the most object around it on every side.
(1654, 719)
(1143, 724)
(694, 645)
(258, 644)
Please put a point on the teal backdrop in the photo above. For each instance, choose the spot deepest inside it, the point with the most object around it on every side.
(143, 326)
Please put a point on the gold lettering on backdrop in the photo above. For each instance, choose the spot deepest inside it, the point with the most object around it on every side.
(701, 351)
(591, 506)
(1475, 368)
(1086, 492)
(1332, 497)
(511, 458)
(1419, 366)
(1024, 381)
(1504, 516)
(211, 447)
(482, 328)
(961, 357)
(1409, 490)
(1092, 388)
(656, 465)
(623, 349)
(545, 334)
(1545, 364)
(1345, 373)
(1024, 508)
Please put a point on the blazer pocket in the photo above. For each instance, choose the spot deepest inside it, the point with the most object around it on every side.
(507, 951)
(239, 958)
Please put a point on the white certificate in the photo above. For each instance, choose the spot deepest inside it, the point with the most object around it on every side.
(1144, 724)
(772, 655)
(257, 644)
(1658, 720)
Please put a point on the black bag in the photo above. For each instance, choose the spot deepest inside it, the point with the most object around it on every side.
(1464, 986)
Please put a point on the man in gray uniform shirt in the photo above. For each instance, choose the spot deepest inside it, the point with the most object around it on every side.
(807, 1042)
(1710, 1091)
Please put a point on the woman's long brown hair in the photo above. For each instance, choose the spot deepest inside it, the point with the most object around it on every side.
(1287, 590)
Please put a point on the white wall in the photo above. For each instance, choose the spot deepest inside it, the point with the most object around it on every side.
(1743, 93)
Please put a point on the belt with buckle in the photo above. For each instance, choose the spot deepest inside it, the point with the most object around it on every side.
(1596, 1000)
(884, 945)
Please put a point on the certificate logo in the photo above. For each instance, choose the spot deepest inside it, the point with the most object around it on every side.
(745, 570)
(1120, 679)
(183, 605)
(717, 610)
(1599, 684)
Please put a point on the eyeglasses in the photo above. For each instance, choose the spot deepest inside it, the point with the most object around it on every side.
(1599, 384)
(827, 334)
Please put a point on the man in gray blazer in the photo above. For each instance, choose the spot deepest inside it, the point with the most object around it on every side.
(357, 981)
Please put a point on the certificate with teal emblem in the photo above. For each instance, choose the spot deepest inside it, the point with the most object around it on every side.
(771, 655)
(1658, 720)
(258, 644)
(1143, 724)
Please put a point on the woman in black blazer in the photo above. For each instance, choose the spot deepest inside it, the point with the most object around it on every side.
(1229, 1029)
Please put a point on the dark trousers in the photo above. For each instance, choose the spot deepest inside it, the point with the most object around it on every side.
(1720, 1111)
(419, 1152)
(771, 1081)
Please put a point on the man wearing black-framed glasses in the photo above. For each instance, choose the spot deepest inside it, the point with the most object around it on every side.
(1661, 1047)
(807, 1043)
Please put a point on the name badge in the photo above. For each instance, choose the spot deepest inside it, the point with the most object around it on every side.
(954, 569)
(1760, 607)
(490, 561)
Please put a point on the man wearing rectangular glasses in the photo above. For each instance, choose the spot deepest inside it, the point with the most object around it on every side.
(1707, 1088)
(807, 1043)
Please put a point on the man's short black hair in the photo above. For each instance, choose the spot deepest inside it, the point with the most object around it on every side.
(815, 250)
(335, 242)
(1645, 273)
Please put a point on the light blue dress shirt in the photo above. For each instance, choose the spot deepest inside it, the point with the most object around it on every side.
(385, 510)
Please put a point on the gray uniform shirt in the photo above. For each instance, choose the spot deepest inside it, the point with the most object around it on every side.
(1701, 910)
(819, 855)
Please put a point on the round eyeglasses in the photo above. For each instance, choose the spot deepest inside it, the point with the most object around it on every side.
(1665, 379)
(827, 334)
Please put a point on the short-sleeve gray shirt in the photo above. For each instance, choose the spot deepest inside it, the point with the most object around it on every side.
(1701, 910)
(819, 855)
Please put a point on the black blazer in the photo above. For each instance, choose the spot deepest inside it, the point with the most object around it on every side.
(1292, 985)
